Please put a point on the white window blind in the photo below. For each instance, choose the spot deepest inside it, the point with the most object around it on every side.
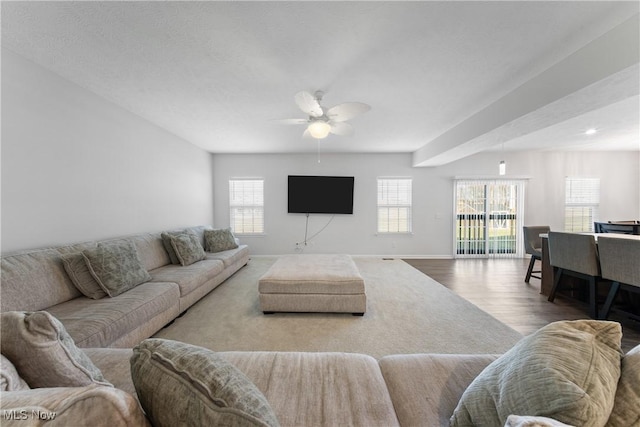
(246, 206)
(394, 205)
(582, 199)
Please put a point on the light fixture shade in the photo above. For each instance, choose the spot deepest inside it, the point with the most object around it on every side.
(319, 129)
(502, 167)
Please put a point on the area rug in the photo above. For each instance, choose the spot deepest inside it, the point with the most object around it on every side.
(407, 312)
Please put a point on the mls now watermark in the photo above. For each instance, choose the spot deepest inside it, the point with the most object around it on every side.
(23, 414)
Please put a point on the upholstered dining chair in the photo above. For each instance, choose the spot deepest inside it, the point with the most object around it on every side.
(620, 263)
(533, 247)
(575, 255)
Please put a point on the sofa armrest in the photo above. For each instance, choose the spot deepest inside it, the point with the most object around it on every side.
(67, 406)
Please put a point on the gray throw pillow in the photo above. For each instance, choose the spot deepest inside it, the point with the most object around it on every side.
(626, 407)
(44, 353)
(77, 269)
(166, 242)
(116, 266)
(182, 384)
(219, 240)
(567, 371)
(187, 248)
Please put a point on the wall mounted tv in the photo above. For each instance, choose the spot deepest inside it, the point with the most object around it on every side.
(320, 194)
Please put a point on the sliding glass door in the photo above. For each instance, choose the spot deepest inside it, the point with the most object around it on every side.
(488, 220)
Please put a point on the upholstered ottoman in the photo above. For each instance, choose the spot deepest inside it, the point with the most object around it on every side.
(313, 283)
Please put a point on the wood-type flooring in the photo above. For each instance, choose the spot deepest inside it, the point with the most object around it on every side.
(497, 286)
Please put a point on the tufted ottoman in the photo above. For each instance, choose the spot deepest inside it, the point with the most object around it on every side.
(313, 283)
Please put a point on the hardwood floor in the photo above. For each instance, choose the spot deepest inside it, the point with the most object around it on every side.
(497, 286)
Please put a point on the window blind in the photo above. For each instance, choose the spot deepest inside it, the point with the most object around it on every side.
(582, 200)
(246, 206)
(394, 205)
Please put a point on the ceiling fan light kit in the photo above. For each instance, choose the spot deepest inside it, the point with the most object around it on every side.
(321, 121)
(319, 129)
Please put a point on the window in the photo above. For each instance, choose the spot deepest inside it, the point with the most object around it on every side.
(488, 218)
(582, 198)
(394, 205)
(246, 205)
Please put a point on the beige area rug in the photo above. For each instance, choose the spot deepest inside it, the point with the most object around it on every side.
(407, 312)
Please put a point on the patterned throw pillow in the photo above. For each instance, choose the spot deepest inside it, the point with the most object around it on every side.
(166, 242)
(211, 391)
(187, 248)
(626, 408)
(219, 240)
(44, 353)
(77, 269)
(567, 371)
(116, 266)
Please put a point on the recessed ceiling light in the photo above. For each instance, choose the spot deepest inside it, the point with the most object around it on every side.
(590, 131)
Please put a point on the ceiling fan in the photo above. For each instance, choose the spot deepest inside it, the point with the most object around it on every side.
(323, 121)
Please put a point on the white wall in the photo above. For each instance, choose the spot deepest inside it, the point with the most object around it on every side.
(432, 196)
(76, 167)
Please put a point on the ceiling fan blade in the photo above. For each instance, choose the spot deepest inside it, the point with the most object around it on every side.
(346, 111)
(309, 104)
(291, 121)
(341, 128)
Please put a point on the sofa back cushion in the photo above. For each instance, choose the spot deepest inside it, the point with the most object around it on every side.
(34, 280)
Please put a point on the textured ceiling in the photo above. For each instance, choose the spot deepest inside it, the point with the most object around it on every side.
(219, 73)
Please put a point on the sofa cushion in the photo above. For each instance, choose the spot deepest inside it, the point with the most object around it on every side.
(231, 256)
(626, 407)
(76, 267)
(211, 391)
(116, 266)
(114, 365)
(189, 277)
(429, 386)
(10, 380)
(316, 389)
(219, 240)
(187, 248)
(567, 371)
(44, 353)
(100, 323)
(91, 405)
(34, 280)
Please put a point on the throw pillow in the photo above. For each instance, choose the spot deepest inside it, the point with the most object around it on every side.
(9, 378)
(626, 407)
(219, 240)
(77, 269)
(44, 353)
(182, 384)
(166, 242)
(187, 248)
(567, 371)
(116, 266)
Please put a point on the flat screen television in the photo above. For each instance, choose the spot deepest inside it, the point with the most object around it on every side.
(320, 194)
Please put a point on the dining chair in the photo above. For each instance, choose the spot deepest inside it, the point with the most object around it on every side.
(575, 255)
(533, 247)
(620, 263)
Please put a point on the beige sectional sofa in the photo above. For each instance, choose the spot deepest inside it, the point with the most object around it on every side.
(36, 280)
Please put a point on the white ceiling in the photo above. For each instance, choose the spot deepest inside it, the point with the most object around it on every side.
(219, 73)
